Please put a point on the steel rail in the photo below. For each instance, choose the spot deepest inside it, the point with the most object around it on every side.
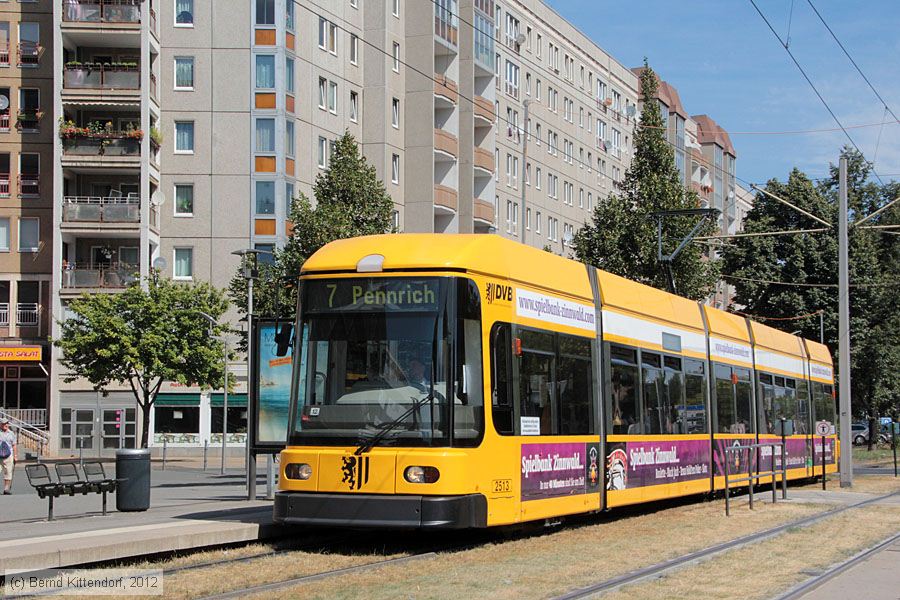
(693, 557)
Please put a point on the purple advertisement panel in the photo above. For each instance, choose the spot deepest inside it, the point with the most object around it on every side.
(553, 470)
(738, 462)
(638, 464)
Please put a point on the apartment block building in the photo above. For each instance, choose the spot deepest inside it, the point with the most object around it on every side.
(26, 208)
(168, 134)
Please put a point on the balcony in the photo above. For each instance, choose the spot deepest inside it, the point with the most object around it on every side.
(96, 76)
(484, 163)
(29, 185)
(446, 90)
(445, 197)
(101, 210)
(29, 54)
(153, 86)
(27, 314)
(445, 144)
(484, 212)
(101, 11)
(28, 120)
(4, 121)
(107, 146)
(113, 276)
(4, 314)
(4, 185)
(484, 112)
(96, 145)
(446, 27)
(4, 55)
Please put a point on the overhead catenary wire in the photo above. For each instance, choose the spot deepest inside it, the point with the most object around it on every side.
(786, 203)
(809, 285)
(761, 234)
(812, 85)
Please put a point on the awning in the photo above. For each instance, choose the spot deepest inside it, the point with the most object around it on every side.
(177, 400)
(234, 400)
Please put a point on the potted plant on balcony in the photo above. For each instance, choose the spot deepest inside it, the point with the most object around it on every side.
(29, 119)
(156, 137)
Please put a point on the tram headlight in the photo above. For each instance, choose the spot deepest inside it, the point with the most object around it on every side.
(421, 474)
(300, 471)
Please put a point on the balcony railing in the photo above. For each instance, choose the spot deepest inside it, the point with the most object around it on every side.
(4, 120)
(27, 314)
(102, 11)
(29, 120)
(36, 417)
(98, 209)
(4, 314)
(4, 185)
(29, 185)
(92, 76)
(4, 55)
(111, 275)
(108, 145)
(29, 54)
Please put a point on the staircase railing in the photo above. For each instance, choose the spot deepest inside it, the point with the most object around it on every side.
(29, 436)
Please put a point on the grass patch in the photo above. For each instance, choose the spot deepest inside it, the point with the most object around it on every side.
(877, 456)
(866, 484)
(762, 570)
(545, 565)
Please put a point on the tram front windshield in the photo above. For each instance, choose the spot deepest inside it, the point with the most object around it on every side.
(377, 361)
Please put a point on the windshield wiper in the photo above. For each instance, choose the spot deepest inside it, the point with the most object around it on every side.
(390, 426)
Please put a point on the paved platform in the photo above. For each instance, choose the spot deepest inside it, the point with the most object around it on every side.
(189, 509)
(876, 578)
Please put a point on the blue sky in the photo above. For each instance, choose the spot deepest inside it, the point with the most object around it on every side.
(725, 62)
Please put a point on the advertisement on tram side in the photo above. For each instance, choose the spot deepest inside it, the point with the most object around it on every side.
(639, 464)
(270, 388)
(563, 469)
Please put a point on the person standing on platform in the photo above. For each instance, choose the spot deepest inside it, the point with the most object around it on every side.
(9, 454)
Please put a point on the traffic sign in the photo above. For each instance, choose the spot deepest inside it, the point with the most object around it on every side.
(823, 427)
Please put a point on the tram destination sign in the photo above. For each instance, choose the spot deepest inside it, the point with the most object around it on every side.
(372, 294)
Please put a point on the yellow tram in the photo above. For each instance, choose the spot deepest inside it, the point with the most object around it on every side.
(456, 381)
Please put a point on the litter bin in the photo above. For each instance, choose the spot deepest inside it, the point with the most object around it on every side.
(133, 473)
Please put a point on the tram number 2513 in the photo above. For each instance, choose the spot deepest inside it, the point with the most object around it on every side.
(501, 485)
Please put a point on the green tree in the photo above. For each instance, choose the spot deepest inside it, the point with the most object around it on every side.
(350, 201)
(809, 263)
(622, 235)
(143, 337)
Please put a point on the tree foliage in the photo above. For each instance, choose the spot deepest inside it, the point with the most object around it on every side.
(809, 265)
(622, 235)
(350, 201)
(144, 336)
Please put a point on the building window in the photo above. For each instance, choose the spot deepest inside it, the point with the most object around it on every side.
(332, 97)
(323, 152)
(537, 222)
(289, 138)
(4, 234)
(327, 36)
(184, 137)
(29, 234)
(354, 49)
(184, 72)
(265, 12)
(395, 113)
(184, 263)
(184, 13)
(289, 15)
(512, 79)
(288, 199)
(354, 106)
(265, 197)
(184, 199)
(323, 86)
(395, 55)
(265, 71)
(537, 178)
(395, 168)
(265, 135)
(289, 75)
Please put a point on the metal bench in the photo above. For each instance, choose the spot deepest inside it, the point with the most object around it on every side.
(70, 479)
(95, 475)
(39, 479)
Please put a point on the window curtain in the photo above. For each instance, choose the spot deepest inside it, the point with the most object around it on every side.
(184, 73)
(4, 234)
(265, 135)
(265, 72)
(184, 199)
(183, 267)
(184, 136)
(184, 11)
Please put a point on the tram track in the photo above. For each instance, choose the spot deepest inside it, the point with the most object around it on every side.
(691, 558)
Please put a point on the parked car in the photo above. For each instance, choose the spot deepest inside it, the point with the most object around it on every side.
(860, 434)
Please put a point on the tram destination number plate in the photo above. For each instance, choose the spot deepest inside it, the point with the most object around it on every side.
(499, 486)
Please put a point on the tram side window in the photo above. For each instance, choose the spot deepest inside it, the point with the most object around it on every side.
(574, 381)
(654, 399)
(673, 400)
(801, 423)
(536, 377)
(692, 414)
(624, 391)
(733, 400)
(502, 396)
(822, 402)
(789, 402)
(468, 412)
(767, 408)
